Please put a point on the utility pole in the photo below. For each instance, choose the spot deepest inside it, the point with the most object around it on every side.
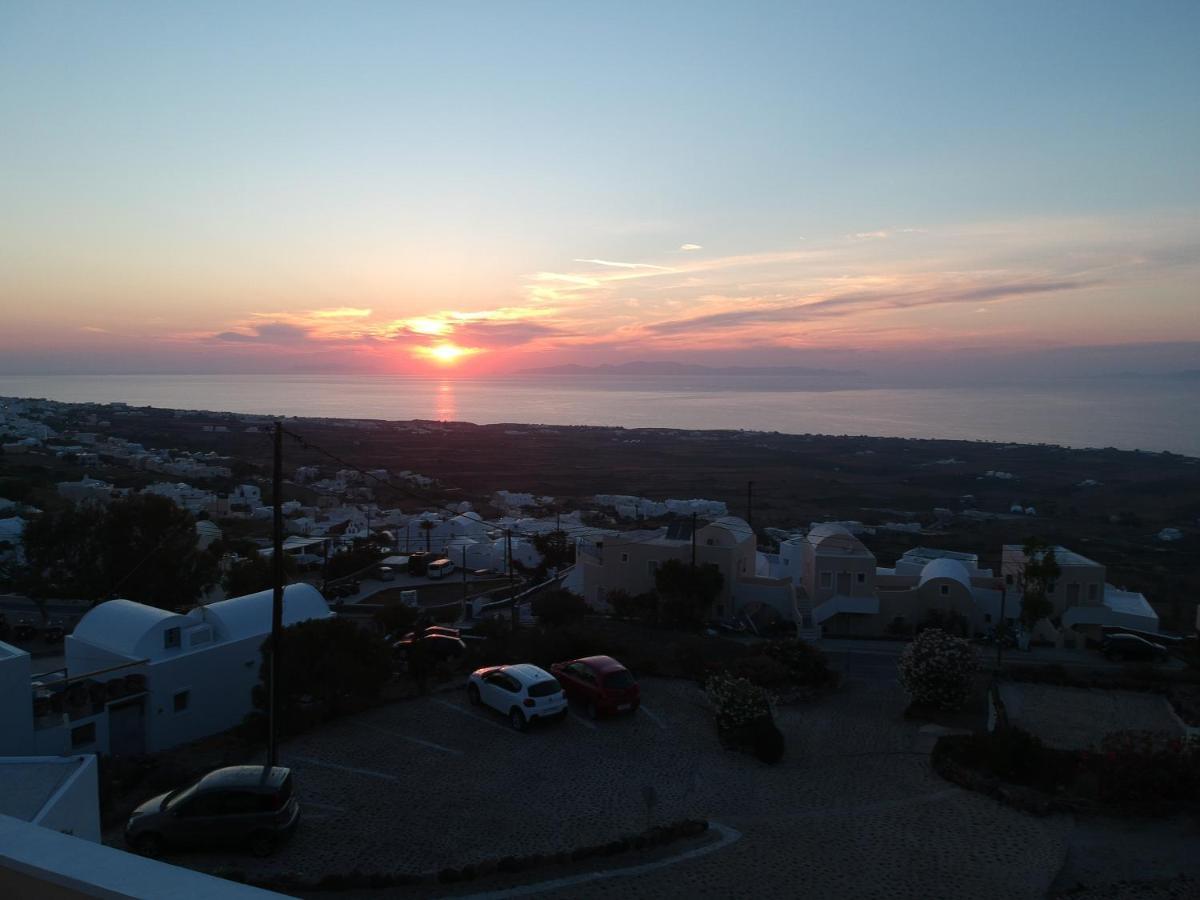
(464, 581)
(276, 603)
(516, 619)
(693, 540)
(750, 504)
(1002, 627)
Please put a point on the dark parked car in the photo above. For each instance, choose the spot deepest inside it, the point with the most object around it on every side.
(1130, 646)
(600, 682)
(247, 806)
(438, 642)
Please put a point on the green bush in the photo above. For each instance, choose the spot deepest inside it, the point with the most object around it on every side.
(639, 608)
(806, 665)
(736, 702)
(937, 669)
(768, 741)
(558, 607)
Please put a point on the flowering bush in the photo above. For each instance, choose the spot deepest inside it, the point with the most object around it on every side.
(936, 669)
(744, 718)
(1142, 770)
(736, 701)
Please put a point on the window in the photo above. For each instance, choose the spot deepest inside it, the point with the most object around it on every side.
(624, 557)
(709, 542)
(171, 638)
(826, 579)
(862, 577)
(83, 735)
(945, 590)
(181, 700)
(1093, 591)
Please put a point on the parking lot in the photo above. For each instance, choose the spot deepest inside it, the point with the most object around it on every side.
(853, 809)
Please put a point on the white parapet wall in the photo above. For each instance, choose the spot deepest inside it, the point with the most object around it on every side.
(38, 862)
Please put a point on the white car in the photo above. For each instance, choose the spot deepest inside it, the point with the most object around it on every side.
(522, 692)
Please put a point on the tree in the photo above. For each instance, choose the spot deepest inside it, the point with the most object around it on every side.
(559, 607)
(556, 550)
(1037, 577)
(333, 662)
(686, 592)
(142, 548)
(257, 573)
(427, 526)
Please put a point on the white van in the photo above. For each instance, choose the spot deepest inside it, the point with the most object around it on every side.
(440, 568)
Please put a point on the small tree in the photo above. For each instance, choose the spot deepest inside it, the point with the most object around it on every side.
(559, 607)
(937, 669)
(1038, 574)
(333, 662)
(557, 551)
(142, 548)
(249, 576)
(686, 592)
(427, 526)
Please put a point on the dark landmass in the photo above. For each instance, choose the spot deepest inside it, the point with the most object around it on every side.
(1104, 503)
(675, 368)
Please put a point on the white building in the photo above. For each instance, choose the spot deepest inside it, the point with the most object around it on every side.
(57, 792)
(140, 679)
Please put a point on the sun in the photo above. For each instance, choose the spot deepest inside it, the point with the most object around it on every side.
(445, 353)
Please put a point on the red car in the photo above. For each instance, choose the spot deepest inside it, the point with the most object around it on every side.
(602, 683)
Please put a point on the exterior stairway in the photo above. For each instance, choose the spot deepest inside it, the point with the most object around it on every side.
(806, 629)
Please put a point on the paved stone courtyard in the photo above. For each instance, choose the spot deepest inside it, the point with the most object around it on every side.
(854, 810)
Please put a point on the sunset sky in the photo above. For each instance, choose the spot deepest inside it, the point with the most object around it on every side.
(481, 187)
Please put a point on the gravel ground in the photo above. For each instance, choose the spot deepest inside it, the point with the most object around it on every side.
(1078, 718)
(854, 810)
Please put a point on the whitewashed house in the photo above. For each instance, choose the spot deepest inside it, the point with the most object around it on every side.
(140, 679)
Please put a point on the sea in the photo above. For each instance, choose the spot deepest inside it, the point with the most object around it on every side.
(1129, 413)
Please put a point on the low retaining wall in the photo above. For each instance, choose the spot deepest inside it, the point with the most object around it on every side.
(657, 836)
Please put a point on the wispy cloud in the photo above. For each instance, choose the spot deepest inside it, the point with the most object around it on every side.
(624, 265)
(690, 247)
(341, 312)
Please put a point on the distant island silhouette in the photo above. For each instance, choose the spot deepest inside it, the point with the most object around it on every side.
(664, 367)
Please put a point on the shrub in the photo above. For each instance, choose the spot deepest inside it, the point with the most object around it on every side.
(936, 669)
(768, 741)
(806, 665)
(396, 618)
(1145, 771)
(736, 702)
(763, 671)
(558, 607)
(640, 607)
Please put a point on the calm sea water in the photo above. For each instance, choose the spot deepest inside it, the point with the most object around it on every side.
(1133, 413)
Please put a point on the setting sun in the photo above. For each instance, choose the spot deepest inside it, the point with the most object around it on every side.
(445, 353)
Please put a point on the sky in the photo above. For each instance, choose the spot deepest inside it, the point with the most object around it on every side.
(484, 187)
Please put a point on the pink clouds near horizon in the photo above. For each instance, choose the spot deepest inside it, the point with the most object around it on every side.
(892, 292)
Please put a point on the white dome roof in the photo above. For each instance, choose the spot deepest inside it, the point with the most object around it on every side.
(945, 568)
(250, 615)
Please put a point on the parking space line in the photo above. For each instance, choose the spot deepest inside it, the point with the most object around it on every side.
(412, 740)
(370, 773)
(653, 718)
(582, 721)
(470, 715)
(728, 836)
